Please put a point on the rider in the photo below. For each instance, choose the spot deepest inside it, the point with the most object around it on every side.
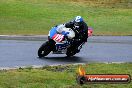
(78, 26)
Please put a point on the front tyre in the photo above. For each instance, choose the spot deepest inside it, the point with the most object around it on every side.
(44, 50)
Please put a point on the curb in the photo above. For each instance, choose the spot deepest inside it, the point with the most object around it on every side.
(41, 66)
(96, 39)
(24, 37)
(111, 39)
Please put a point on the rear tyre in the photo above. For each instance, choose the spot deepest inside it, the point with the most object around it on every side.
(44, 49)
(70, 52)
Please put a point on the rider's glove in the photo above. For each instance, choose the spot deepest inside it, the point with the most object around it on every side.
(64, 33)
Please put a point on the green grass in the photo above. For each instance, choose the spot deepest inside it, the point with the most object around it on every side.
(35, 17)
(61, 76)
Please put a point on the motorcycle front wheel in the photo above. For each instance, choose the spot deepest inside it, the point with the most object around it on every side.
(44, 49)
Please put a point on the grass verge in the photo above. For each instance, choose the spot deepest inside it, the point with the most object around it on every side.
(61, 76)
(35, 17)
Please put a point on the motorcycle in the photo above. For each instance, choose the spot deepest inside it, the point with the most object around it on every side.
(60, 45)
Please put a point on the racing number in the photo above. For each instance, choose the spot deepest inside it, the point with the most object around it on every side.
(58, 37)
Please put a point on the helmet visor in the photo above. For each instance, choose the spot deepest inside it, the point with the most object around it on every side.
(78, 23)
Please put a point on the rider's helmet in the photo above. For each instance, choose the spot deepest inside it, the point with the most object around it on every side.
(78, 21)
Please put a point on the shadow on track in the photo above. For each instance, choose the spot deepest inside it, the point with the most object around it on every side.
(74, 59)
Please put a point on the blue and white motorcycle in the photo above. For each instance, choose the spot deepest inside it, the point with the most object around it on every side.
(59, 44)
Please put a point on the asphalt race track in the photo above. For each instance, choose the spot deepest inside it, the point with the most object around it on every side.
(98, 49)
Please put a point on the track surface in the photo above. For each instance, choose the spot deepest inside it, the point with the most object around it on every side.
(98, 49)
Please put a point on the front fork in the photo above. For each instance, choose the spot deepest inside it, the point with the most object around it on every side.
(52, 43)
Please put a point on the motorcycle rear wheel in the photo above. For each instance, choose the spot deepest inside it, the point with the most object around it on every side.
(70, 52)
